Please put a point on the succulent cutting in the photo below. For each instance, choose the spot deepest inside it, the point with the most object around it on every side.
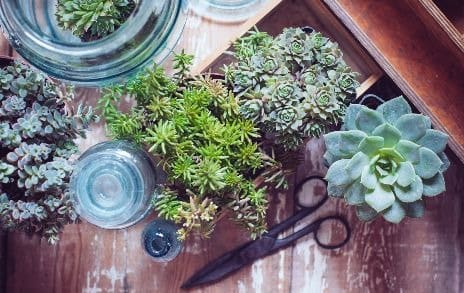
(293, 86)
(386, 161)
(36, 138)
(93, 19)
(208, 150)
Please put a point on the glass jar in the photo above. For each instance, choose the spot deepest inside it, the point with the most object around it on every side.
(148, 35)
(159, 240)
(226, 10)
(113, 184)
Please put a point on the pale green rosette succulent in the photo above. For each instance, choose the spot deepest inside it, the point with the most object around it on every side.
(386, 161)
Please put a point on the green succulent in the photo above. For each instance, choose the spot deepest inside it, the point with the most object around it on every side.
(386, 161)
(274, 78)
(37, 133)
(93, 19)
(209, 151)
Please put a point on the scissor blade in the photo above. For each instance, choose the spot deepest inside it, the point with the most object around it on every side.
(230, 262)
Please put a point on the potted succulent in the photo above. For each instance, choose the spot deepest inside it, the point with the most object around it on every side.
(386, 161)
(94, 19)
(37, 129)
(293, 86)
(209, 151)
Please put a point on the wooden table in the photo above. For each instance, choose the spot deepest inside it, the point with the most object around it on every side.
(417, 256)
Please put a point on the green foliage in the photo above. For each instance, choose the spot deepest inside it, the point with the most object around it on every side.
(37, 130)
(208, 150)
(93, 19)
(293, 86)
(385, 161)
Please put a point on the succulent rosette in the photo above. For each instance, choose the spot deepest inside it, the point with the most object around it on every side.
(296, 75)
(386, 161)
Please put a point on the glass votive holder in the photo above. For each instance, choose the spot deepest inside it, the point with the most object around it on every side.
(113, 184)
(148, 35)
(226, 10)
(159, 240)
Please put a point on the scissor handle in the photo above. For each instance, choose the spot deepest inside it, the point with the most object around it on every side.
(299, 188)
(339, 219)
(314, 227)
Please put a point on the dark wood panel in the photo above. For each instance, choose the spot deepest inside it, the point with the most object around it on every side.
(425, 70)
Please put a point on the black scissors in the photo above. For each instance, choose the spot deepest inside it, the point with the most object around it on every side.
(269, 243)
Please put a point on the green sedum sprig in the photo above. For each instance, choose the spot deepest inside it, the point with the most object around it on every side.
(293, 86)
(93, 19)
(386, 161)
(208, 150)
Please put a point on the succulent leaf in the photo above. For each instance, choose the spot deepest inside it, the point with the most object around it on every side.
(434, 140)
(393, 109)
(395, 213)
(435, 185)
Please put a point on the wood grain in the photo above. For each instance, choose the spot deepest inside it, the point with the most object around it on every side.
(425, 70)
(440, 24)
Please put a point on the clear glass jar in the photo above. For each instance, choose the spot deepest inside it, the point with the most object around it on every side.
(148, 35)
(113, 184)
(226, 10)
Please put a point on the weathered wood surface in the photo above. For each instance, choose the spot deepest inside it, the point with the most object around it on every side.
(418, 256)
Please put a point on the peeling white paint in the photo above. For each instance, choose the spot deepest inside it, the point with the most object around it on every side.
(257, 276)
(113, 275)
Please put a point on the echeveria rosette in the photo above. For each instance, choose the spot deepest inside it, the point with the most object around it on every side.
(322, 103)
(295, 45)
(385, 161)
(296, 69)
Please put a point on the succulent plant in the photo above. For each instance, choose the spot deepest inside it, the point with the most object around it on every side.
(293, 86)
(386, 161)
(37, 130)
(208, 150)
(93, 19)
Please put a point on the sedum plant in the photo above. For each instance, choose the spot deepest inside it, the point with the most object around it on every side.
(208, 150)
(93, 19)
(386, 161)
(293, 86)
(36, 140)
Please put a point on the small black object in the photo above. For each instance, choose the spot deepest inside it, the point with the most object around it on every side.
(269, 243)
(159, 239)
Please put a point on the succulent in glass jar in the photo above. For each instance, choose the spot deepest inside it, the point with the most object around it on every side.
(293, 86)
(37, 129)
(93, 19)
(386, 161)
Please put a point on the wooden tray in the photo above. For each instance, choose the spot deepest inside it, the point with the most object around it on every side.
(313, 13)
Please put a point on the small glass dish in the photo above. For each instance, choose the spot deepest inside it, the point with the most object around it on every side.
(113, 184)
(149, 34)
(226, 10)
(159, 240)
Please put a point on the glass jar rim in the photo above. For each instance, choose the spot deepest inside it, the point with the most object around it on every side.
(87, 63)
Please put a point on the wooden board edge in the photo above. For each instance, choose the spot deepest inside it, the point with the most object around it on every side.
(442, 24)
(268, 6)
(375, 52)
(368, 83)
